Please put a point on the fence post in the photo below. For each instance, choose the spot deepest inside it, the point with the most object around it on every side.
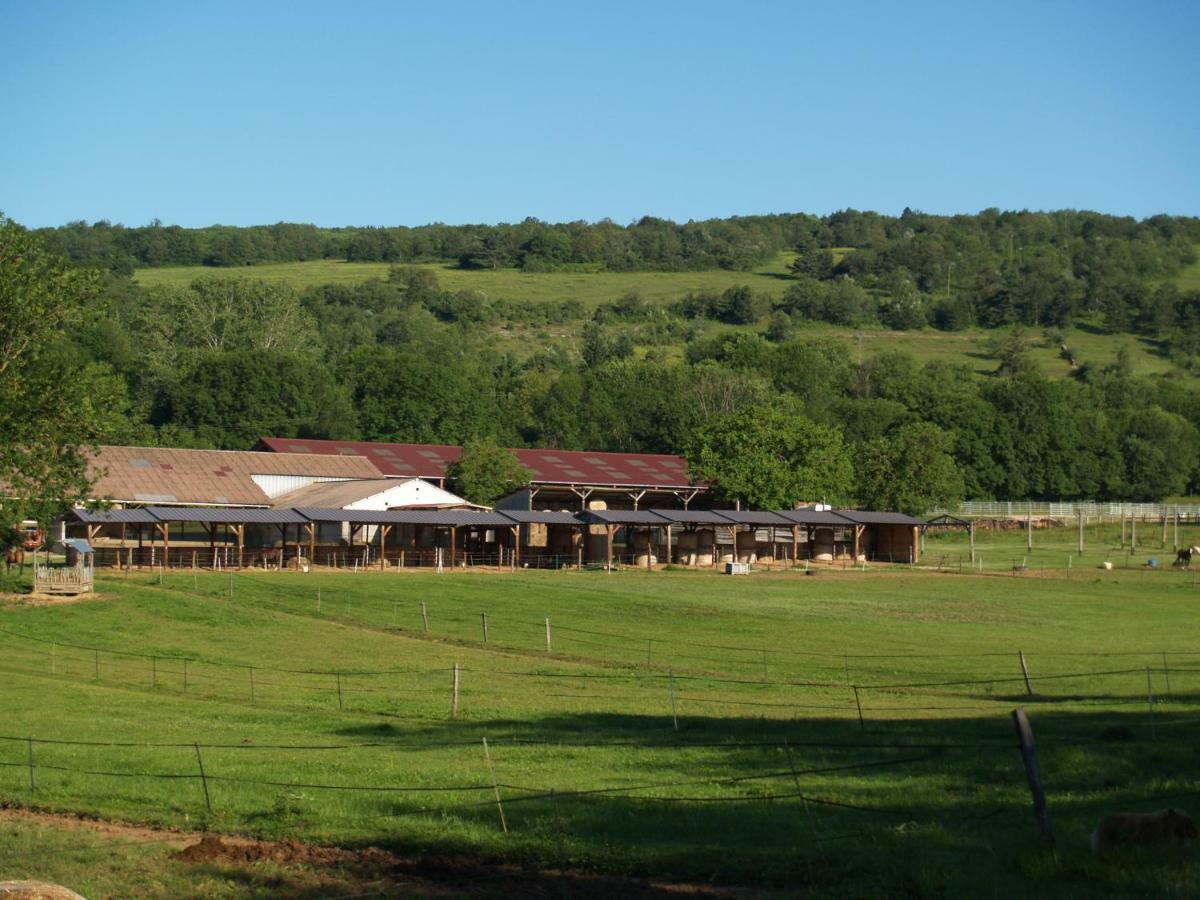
(1025, 673)
(1150, 703)
(32, 785)
(185, 678)
(858, 703)
(339, 688)
(96, 663)
(250, 669)
(318, 601)
(154, 671)
(1033, 774)
(804, 800)
(483, 622)
(53, 660)
(495, 787)
(1166, 673)
(203, 777)
(547, 634)
(425, 616)
(648, 641)
(454, 696)
(671, 686)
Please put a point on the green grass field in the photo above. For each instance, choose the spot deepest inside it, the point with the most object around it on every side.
(327, 717)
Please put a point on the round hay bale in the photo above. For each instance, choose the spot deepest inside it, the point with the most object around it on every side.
(704, 558)
(823, 545)
(640, 560)
(747, 547)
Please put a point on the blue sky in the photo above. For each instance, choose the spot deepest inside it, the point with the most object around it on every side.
(395, 113)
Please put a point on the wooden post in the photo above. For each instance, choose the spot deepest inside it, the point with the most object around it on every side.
(454, 695)
(858, 703)
(1033, 773)
(154, 671)
(610, 529)
(671, 686)
(1080, 547)
(203, 777)
(339, 688)
(1029, 527)
(453, 544)
(1150, 703)
(516, 554)
(1122, 529)
(795, 544)
(804, 800)
(495, 787)
(29, 744)
(425, 616)
(483, 622)
(547, 634)
(1132, 535)
(971, 541)
(1025, 673)
(185, 674)
(311, 527)
(250, 671)
(1175, 532)
(1167, 674)
(669, 560)
(383, 533)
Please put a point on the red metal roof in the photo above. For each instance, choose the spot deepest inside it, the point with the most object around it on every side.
(580, 467)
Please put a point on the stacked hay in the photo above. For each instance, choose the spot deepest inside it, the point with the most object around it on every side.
(685, 549)
(822, 545)
(705, 547)
(747, 547)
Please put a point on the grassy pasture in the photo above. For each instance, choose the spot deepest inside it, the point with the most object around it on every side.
(926, 796)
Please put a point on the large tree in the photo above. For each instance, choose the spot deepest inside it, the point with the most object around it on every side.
(486, 472)
(53, 408)
(770, 458)
(909, 470)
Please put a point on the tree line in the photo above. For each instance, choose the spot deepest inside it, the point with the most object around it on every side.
(772, 411)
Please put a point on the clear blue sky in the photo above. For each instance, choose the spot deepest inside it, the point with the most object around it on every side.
(405, 113)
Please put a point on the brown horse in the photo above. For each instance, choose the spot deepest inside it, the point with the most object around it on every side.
(1183, 558)
(14, 556)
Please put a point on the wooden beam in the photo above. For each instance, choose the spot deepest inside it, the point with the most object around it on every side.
(453, 543)
(383, 533)
(795, 543)
(516, 533)
(311, 527)
(668, 562)
(610, 529)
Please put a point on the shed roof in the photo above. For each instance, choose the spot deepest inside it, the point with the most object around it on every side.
(338, 494)
(692, 516)
(562, 467)
(871, 517)
(756, 517)
(113, 516)
(813, 517)
(227, 515)
(541, 517)
(620, 517)
(207, 477)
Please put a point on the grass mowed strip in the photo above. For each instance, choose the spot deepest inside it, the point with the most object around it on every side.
(769, 778)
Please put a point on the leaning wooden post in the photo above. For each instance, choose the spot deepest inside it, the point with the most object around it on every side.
(495, 786)
(483, 622)
(203, 777)
(1033, 773)
(547, 634)
(1025, 673)
(425, 616)
(858, 703)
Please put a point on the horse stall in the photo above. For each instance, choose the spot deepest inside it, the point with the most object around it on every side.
(76, 576)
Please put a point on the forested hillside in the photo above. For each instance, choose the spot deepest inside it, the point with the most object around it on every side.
(773, 320)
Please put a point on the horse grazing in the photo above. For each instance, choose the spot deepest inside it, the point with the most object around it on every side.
(1183, 558)
(14, 556)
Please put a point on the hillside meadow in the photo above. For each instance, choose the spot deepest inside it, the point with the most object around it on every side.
(592, 288)
(843, 733)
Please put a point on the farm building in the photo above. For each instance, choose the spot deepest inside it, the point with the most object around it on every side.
(559, 479)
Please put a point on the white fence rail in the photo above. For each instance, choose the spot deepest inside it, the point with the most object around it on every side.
(1090, 508)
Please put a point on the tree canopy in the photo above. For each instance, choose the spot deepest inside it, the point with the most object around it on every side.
(485, 472)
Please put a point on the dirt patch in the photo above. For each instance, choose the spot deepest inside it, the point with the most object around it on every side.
(48, 599)
(373, 867)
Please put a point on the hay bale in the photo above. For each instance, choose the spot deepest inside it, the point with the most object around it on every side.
(36, 890)
(747, 546)
(823, 544)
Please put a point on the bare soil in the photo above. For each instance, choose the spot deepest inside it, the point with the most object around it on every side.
(459, 876)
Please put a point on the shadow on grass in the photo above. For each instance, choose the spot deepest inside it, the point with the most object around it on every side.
(913, 807)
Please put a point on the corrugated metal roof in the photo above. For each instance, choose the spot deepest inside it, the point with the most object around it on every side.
(579, 467)
(692, 516)
(114, 516)
(209, 477)
(354, 516)
(869, 517)
(620, 517)
(755, 517)
(540, 517)
(813, 517)
(227, 516)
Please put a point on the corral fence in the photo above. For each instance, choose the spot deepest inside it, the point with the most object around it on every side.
(1187, 512)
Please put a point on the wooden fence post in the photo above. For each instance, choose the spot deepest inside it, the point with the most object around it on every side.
(495, 787)
(1025, 673)
(339, 688)
(671, 686)
(1033, 774)
(425, 616)
(858, 703)
(547, 634)
(483, 622)
(1150, 703)
(454, 695)
(32, 785)
(203, 777)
